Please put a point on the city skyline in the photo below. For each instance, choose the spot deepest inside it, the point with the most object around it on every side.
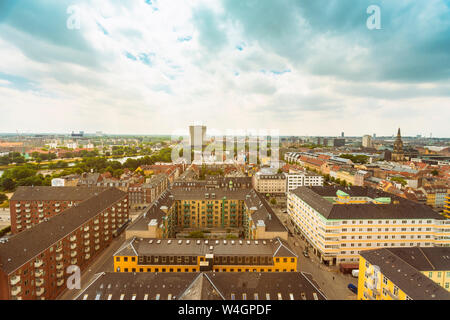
(143, 67)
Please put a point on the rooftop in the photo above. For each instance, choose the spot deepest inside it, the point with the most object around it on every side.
(399, 208)
(203, 286)
(200, 247)
(405, 276)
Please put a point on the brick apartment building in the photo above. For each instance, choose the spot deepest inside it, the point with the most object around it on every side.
(30, 206)
(33, 263)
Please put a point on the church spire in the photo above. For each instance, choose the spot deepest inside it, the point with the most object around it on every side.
(398, 133)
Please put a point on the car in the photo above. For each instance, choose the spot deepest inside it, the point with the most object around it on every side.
(352, 288)
(305, 253)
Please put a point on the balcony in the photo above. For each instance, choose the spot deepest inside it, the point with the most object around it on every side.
(87, 242)
(15, 291)
(97, 247)
(96, 235)
(17, 205)
(106, 227)
(57, 205)
(59, 257)
(73, 261)
(60, 282)
(59, 266)
(15, 280)
(73, 238)
(96, 221)
(87, 249)
(86, 235)
(39, 273)
(73, 246)
(60, 274)
(86, 257)
(40, 205)
(40, 292)
(86, 229)
(38, 263)
(41, 215)
(41, 210)
(393, 296)
(97, 241)
(58, 249)
(73, 254)
(57, 210)
(27, 205)
(39, 283)
(18, 211)
(28, 215)
(106, 220)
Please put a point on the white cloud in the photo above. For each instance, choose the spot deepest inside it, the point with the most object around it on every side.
(186, 82)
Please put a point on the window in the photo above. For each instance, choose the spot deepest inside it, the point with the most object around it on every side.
(125, 259)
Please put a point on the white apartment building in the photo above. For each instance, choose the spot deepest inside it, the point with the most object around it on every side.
(301, 179)
(339, 223)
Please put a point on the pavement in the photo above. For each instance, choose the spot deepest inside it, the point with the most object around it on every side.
(332, 282)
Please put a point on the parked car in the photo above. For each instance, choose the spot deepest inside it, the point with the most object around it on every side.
(352, 288)
(355, 273)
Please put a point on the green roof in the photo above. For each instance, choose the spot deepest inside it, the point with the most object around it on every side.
(341, 193)
(383, 200)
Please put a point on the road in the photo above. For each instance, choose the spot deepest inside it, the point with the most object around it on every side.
(332, 282)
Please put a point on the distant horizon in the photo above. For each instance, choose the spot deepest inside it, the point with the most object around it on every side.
(93, 134)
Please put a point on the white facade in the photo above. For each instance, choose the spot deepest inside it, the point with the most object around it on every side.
(339, 241)
(295, 180)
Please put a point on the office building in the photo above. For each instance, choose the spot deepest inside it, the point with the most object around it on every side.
(338, 223)
(198, 255)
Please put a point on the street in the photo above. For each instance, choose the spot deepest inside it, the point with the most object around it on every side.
(332, 282)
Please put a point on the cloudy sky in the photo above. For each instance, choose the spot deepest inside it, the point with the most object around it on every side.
(152, 66)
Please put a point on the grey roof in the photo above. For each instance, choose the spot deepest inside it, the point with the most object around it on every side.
(29, 243)
(55, 193)
(299, 285)
(404, 209)
(425, 259)
(263, 212)
(199, 247)
(203, 286)
(139, 284)
(409, 279)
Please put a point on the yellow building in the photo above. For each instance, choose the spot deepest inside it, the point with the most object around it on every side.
(404, 274)
(447, 206)
(190, 255)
